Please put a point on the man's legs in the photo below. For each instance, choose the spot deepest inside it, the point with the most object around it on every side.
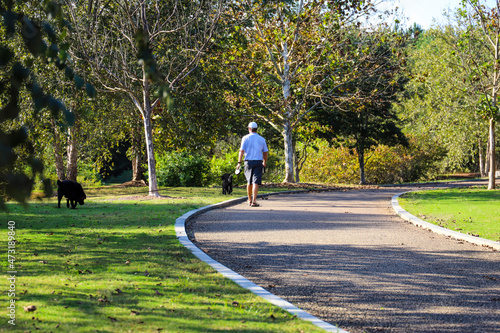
(249, 193)
(253, 173)
(255, 192)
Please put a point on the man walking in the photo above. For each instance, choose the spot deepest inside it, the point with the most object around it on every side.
(254, 150)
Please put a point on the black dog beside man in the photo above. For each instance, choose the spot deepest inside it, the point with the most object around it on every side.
(227, 183)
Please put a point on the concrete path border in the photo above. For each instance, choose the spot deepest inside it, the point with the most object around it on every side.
(437, 229)
(180, 230)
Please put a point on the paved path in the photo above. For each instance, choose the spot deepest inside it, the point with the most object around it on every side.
(346, 258)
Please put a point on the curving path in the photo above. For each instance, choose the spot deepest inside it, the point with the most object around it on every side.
(346, 258)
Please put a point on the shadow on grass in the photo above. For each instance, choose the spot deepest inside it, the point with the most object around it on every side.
(118, 267)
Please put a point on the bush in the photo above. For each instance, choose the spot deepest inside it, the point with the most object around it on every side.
(330, 165)
(182, 169)
(384, 165)
(227, 164)
(220, 166)
(275, 170)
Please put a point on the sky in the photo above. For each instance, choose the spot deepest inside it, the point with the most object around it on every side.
(422, 12)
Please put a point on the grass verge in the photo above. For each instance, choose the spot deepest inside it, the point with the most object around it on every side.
(115, 265)
(474, 211)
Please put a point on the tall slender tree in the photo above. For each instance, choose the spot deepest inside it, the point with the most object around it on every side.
(143, 50)
(478, 45)
(366, 118)
(440, 104)
(285, 53)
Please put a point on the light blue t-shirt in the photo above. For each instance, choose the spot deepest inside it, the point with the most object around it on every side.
(253, 145)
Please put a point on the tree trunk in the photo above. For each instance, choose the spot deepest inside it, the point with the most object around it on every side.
(482, 171)
(137, 156)
(137, 170)
(287, 127)
(148, 131)
(288, 139)
(361, 160)
(296, 162)
(491, 182)
(487, 160)
(72, 151)
(60, 170)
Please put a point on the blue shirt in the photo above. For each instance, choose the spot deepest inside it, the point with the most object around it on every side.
(254, 146)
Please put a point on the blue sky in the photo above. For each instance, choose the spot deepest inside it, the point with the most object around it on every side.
(423, 11)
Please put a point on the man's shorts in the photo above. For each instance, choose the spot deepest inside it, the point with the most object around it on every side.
(253, 172)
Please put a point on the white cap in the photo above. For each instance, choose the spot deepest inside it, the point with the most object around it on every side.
(252, 125)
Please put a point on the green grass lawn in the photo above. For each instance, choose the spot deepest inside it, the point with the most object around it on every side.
(115, 265)
(474, 211)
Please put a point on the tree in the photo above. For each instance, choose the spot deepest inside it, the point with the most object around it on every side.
(23, 41)
(143, 50)
(478, 46)
(438, 105)
(285, 53)
(365, 118)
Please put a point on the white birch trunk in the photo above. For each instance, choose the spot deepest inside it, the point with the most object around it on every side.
(60, 170)
(482, 169)
(148, 131)
(491, 182)
(287, 128)
(72, 152)
(493, 169)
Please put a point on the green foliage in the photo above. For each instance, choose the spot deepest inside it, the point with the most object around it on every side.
(398, 164)
(222, 165)
(330, 165)
(274, 172)
(182, 169)
(439, 104)
(287, 57)
(23, 41)
(385, 165)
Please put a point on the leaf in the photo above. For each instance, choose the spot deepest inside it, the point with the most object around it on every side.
(79, 82)
(91, 92)
(5, 55)
(30, 308)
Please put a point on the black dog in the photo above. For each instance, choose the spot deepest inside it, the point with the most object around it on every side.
(72, 191)
(227, 183)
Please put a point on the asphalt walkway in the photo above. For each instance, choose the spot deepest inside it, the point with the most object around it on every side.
(346, 258)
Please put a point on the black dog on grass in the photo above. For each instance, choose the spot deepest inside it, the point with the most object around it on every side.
(72, 191)
(227, 183)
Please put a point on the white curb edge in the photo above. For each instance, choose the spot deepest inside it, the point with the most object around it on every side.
(180, 230)
(437, 229)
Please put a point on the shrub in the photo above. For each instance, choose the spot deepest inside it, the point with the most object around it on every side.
(384, 165)
(275, 170)
(218, 166)
(330, 165)
(182, 169)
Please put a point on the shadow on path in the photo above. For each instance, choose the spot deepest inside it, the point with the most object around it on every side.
(347, 259)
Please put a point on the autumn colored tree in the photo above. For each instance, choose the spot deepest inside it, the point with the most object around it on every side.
(362, 116)
(285, 54)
